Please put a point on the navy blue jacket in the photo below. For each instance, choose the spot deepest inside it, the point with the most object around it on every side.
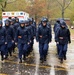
(33, 29)
(2, 35)
(65, 34)
(56, 26)
(16, 25)
(31, 32)
(9, 34)
(45, 32)
(23, 33)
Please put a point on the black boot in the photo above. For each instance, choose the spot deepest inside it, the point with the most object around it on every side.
(45, 58)
(2, 58)
(20, 60)
(61, 60)
(10, 51)
(24, 58)
(65, 57)
(41, 60)
(6, 57)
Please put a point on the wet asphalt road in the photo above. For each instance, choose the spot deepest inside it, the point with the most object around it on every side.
(32, 65)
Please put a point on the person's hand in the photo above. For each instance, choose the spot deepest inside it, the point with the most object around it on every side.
(57, 42)
(61, 38)
(28, 43)
(12, 40)
(40, 36)
(5, 43)
(19, 36)
(15, 43)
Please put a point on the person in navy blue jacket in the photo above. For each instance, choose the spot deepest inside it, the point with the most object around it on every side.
(56, 28)
(56, 25)
(34, 22)
(43, 37)
(30, 32)
(9, 38)
(17, 24)
(33, 33)
(22, 39)
(63, 38)
(12, 22)
(2, 40)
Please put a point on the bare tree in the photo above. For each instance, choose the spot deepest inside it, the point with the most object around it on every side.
(4, 3)
(64, 5)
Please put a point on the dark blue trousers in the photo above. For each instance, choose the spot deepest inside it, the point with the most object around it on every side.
(43, 49)
(22, 50)
(62, 50)
(2, 49)
(57, 48)
(13, 46)
(8, 48)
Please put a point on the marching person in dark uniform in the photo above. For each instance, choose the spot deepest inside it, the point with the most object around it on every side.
(2, 40)
(9, 38)
(63, 38)
(17, 24)
(33, 22)
(56, 28)
(12, 22)
(22, 39)
(29, 29)
(43, 37)
(33, 32)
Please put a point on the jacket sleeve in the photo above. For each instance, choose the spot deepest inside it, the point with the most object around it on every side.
(34, 31)
(5, 34)
(37, 34)
(57, 35)
(50, 35)
(16, 35)
(69, 39)
(54, 27)
(29, 35)
(13, 34)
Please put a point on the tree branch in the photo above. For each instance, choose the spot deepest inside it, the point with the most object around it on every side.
(2, 5)
(68, 5)
(5, 4)
(59, 3)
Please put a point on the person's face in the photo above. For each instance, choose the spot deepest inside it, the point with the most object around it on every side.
(17, 20)
(0, 25)
(22, 25)
(44, 23)
(11, 23)
(26, 24)
(63, 26)
(30, 22)
(7, 24)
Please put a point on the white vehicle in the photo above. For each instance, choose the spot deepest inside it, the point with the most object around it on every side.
(20, 14)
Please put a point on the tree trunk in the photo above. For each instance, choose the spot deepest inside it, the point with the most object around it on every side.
(63, 13)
